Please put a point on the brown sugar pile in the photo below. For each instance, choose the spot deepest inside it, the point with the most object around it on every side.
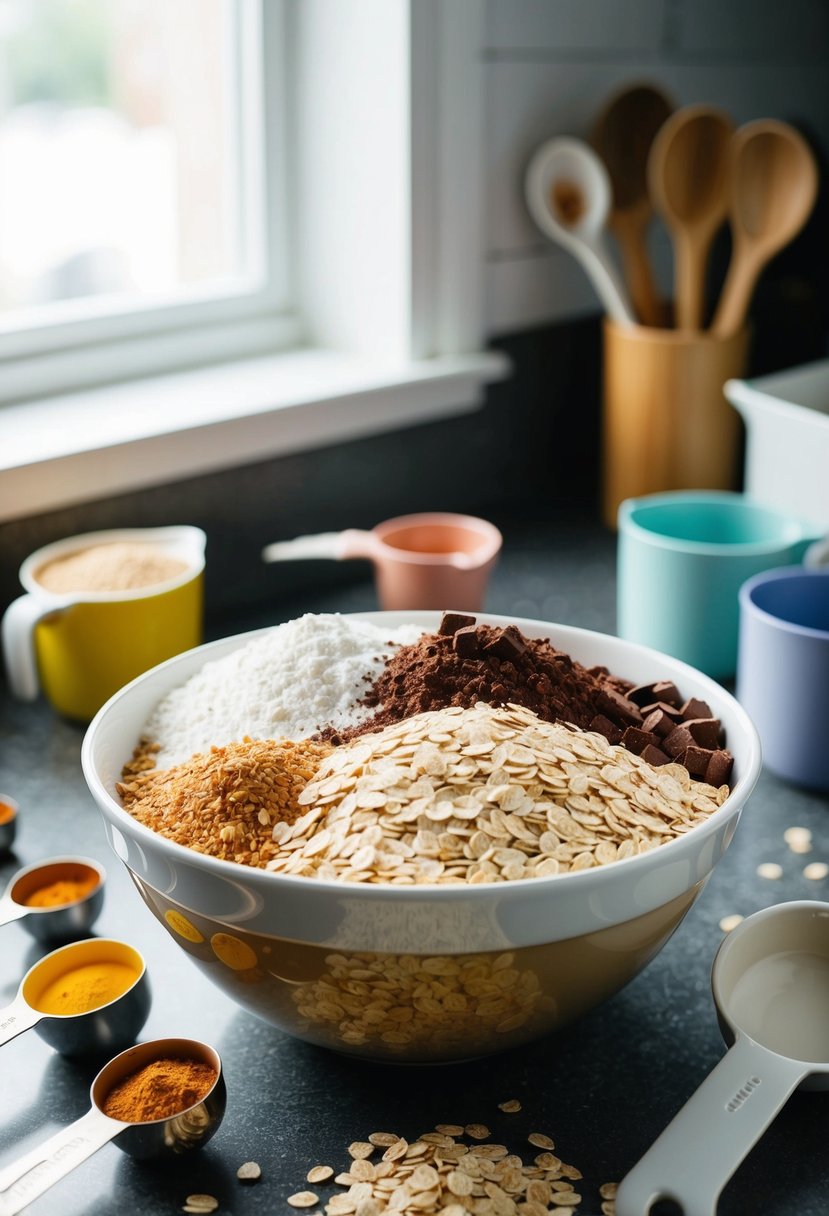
(226, 802)
(465, 663)
(116, 566)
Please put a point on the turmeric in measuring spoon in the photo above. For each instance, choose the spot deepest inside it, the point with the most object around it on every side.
(159, 1090)
(62, 891)
(85, 988)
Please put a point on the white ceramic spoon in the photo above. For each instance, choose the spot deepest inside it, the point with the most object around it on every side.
(771, 988)
(568, 192)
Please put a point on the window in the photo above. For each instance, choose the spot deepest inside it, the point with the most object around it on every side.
(382, 326)
(140, 170)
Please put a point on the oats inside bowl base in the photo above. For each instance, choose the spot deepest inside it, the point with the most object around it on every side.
(418, 1008)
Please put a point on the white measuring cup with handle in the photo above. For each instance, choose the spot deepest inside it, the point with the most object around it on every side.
(771, 987)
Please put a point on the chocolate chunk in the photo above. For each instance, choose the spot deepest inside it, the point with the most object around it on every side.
(605, 727)
(615, 706)
(678, 741)
(661, 690)
(465, 642)
(636, 740)
(706, 731)
(666, 690)
(508, 644)
(451, 622)
(670, 710)
(658, 722)
(694, 708)
(696, 760)
(719, 768)
(654, 755)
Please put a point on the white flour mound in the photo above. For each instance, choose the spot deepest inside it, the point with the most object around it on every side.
(289, 683)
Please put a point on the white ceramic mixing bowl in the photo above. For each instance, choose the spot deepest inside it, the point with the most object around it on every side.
(426, 972)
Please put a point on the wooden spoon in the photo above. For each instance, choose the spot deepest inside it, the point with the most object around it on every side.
(688, 178)
(773, 183)
(622, 135)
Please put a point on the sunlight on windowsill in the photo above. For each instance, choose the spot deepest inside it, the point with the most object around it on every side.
(104, 441)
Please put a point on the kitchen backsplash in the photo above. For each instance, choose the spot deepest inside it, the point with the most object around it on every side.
(550, 64)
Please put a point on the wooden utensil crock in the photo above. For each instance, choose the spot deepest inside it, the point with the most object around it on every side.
(666, 422)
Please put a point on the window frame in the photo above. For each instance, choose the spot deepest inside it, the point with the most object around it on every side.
(118, 338)
(412, 352)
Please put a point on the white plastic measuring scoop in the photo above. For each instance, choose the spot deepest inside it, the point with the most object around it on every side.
(568, 192)
(771, 987)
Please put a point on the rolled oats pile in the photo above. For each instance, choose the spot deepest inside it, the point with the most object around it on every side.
(487, 794)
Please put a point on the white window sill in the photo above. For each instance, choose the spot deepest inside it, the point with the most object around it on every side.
(105, 441)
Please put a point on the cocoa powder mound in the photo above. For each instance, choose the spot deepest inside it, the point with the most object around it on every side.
(498, 666)
(464, 663)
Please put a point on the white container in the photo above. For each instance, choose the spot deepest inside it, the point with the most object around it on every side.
(787, 439)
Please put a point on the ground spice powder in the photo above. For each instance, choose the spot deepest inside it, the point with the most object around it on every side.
(85, 988)
(497, 666)
(62, 891)
(160, 1090)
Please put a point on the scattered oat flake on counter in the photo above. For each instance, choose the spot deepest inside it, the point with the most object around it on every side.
(730, 922)
(200, 1203)
(303, 1199)
(319, 1173)
(511, 1107)
(799, 840)
(540, 1140)
(360, 1149)
(769, 869)
(478, 1131)
(816, 870)
(250, 1171)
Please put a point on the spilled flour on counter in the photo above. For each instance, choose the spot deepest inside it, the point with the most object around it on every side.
(289, 683)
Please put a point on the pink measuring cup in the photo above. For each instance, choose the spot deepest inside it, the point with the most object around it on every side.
(435, 560)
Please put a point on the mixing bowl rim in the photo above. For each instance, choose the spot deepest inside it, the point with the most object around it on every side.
(120, 818)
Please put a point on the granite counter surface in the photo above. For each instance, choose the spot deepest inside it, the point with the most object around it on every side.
(603, 1089)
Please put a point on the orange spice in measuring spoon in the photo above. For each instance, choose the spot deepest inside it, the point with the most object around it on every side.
(63, 891)
(185, 1067)
(8, 822)
(60, 898)
(85, 997)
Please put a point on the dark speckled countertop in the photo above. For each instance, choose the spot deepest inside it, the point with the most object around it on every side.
(603, 1088)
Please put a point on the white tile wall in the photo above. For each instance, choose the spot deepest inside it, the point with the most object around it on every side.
(574, 25)
(774, 30)
(551, 63)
